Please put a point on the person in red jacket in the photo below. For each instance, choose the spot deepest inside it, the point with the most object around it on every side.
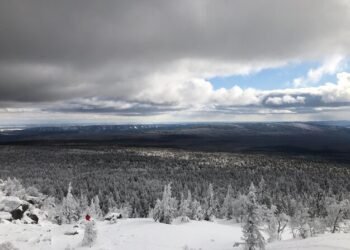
(88, 217)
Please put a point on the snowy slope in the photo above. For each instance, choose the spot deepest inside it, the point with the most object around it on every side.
(144, 234)
(129, 234)
(338, 241)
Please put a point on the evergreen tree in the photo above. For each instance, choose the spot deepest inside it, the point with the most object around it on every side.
(196, 210)
(185, 207)
(227, 206)
(83, 204)
(95, 209)
(251, 234)
(111, 203)
(164, 210)
(240, 207)
(262, 196)
(70, 211)
(210, 204)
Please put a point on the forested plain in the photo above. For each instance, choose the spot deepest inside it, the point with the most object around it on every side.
(137, 176)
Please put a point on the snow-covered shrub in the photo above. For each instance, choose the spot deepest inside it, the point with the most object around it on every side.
(298, 220)
(7, 246)
(124, 210)
(90, 234)
(317, 226)
(13, 187)
(33, 191)
(304, 231)
(113, 217)
(49, 208)
(68, 247)
(185, 219)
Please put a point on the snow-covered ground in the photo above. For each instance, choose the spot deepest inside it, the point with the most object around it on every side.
(145, 234)
(337, 241)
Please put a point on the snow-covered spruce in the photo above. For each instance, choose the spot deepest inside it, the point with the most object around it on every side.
(210, 204)
(251, 232)
(69, 212)
(165, 209)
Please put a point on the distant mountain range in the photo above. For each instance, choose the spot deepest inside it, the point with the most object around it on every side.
(313, 137)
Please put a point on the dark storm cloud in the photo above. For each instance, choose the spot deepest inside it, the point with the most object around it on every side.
(86, 31)
(65, 50)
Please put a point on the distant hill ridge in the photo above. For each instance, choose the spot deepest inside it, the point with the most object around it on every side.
(277, 136)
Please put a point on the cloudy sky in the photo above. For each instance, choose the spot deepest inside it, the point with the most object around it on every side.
(121, 61)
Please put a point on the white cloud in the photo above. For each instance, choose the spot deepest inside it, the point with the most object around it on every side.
(176, 92)
(331, 66)
(287, 99)
(339, 92)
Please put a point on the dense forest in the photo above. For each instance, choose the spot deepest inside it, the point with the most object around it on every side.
(136, 176)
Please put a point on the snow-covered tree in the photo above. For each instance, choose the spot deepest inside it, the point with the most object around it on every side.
(210, 204)
(13, 187)
(316, 226)
(164, 210)
(227, 206)
(185, 207)
(251, 233)
(90, 234)
(111, 202)
(83, 204)
(49, 206)
(69, 210)
(94, 209)
(276, 223)
(335, 212)
(262, 196)
(239, 207)
(299, 222)
(282, 222)
(270, 220)
(196, 210)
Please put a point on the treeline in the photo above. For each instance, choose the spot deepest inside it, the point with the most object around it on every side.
(250, 209)
(253, 209)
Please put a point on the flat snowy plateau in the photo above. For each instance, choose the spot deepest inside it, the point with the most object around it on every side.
(145, 234)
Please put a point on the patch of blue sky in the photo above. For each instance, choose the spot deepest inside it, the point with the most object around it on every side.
(271, 78)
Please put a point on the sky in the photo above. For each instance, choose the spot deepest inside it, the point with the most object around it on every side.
(156, 61)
